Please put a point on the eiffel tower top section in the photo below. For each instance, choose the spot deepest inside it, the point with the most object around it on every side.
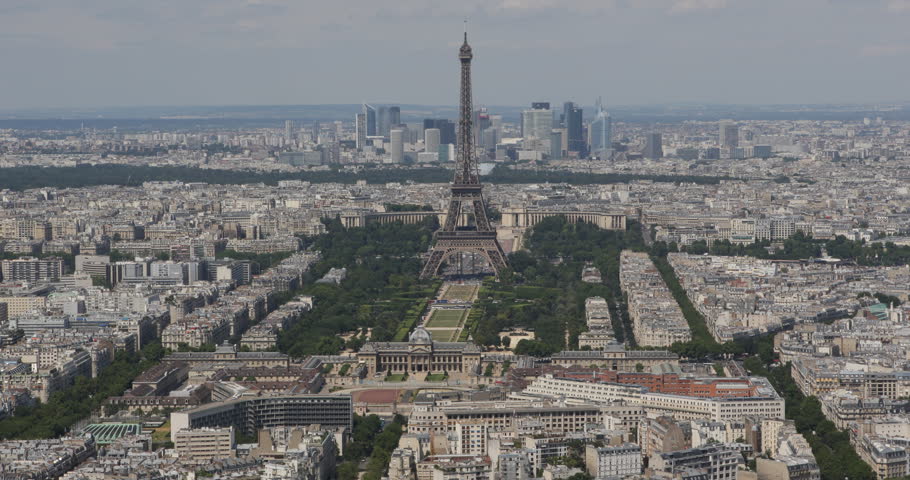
(465, 53)
(466, 169)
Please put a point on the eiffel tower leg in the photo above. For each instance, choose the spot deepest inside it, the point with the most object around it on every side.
(452, 215)
(433, 263)
(497, 259)
(480, 215)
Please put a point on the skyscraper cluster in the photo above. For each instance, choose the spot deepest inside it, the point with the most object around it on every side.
(379, 122)
(544, 133)
(565, 135)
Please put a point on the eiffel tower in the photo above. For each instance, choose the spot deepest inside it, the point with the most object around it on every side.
(478, 237)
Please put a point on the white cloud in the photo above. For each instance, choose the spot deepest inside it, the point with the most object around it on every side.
(898, 5)
(885, 50)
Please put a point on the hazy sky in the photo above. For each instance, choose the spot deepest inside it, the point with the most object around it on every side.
(72, 53)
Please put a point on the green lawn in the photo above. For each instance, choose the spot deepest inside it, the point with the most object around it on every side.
(161, 436)
(461, 292)
(443, 335)
(398, 377)
(471, 323)
(446, 318)
(163, 433)
(437, 377)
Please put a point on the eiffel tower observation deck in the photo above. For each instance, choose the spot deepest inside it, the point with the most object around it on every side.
(477, 236)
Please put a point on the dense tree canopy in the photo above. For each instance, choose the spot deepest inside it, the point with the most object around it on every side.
(263, 260)
(370, 440)
(802, 247)
(381, 290)
(407, 207)
(543, 290)
(25, 177)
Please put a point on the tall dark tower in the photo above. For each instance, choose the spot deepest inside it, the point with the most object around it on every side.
(476, 236)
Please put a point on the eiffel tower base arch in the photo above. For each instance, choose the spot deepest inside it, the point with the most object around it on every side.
(483, 244)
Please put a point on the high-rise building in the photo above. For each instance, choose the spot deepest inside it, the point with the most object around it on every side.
(370, 117)
(653, 146)
(540, 105)
(394, 116)
(556, 143)
(562, 116)
(315, 132)
(446, 152)
(489, 138)
(289, 130)
(573, 125)
(537, 122)
(382, 122)
(481, 123)
(397, 140)
(447, 132)
(360, 128)
(729, 135)
(602, 133)
(496, 121)
(446, 129)
(760, 151)
(431, 140)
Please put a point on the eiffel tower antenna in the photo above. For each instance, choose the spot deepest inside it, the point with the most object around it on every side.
(480, 237)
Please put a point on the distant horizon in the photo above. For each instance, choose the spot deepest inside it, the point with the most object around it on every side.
(553, 104)
(897, 110)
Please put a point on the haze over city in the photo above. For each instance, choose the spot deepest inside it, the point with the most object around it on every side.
(98, 53)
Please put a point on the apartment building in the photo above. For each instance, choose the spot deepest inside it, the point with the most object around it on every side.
(205, 443)
(718, 461)
(657, 320)
(455, 467)
(614, 461)
(504, 415)
(787, 468)
(615, 357)
(763, 403)
(252, 413)
(20, 305)
(817, 377)
(888, 459)
(31, 269)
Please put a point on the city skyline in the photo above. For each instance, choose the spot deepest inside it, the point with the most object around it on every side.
(260, 53)
(389, 290)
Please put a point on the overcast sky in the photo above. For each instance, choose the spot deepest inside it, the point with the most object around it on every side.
(78, 53)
